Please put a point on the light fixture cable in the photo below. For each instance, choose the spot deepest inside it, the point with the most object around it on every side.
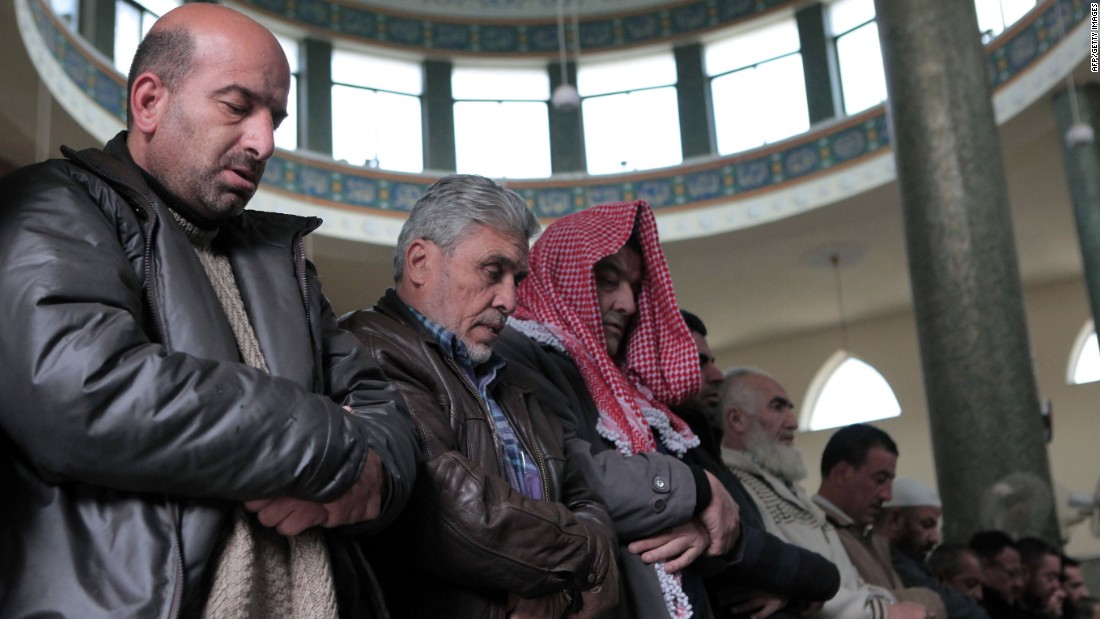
(835, 260)
(561, 41)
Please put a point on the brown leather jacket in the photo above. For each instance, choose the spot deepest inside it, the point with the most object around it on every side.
(467, 540)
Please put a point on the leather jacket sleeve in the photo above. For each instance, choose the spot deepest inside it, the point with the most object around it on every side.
(352, 379)
(90, 394)
(468, 525)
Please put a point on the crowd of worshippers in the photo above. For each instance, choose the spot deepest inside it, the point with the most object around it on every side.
(515, 429)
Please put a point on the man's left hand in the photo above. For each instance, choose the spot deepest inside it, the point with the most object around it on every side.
(721, 518)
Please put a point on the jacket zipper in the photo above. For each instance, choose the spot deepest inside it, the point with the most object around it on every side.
(300, 266)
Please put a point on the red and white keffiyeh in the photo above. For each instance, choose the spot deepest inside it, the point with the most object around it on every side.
(557, 304)
(662, 362)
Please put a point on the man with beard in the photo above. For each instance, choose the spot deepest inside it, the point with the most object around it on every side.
(183, 422)
(500, 522)
(701, 410)
(596, 324)
(1073, 581)
(758, 446)
(1043, 594)
(857, 473)
(598, 329)
(909, 521)
(1002, 573)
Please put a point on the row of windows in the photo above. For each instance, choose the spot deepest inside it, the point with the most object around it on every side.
(629, 107)
(847, 390)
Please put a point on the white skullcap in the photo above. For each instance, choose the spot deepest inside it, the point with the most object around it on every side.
(911, 493)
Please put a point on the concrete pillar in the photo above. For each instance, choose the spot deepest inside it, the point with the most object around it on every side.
(438, 112)
(315, 97)
(982, 398)
(1083, 171)
(97, 25)
(566, 127)
(693, 99)
(818, 63)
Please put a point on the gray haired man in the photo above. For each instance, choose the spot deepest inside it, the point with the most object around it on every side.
(499, 521)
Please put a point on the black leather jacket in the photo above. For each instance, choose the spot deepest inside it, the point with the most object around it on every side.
(467, 539)
(129, 427)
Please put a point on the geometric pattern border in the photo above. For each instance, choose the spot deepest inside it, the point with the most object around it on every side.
(530, 37)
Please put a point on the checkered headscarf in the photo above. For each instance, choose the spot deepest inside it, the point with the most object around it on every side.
(662, 362)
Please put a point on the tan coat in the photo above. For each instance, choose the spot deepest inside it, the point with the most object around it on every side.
(870, 553)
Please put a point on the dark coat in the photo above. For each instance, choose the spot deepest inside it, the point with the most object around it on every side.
(650, 492)
(130, 428)
(467, 539)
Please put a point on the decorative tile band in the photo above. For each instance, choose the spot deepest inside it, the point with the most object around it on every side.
(531, 37)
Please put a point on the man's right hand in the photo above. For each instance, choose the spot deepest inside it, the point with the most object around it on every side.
(721, 518)
(909, 610)
(597, 601)
(361, 502)
(678, 547)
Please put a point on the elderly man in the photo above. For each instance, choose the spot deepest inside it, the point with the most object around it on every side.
(1002, 573)
(857, 471)
(499, 521)
(956, 566)
(597, 324)
(758, 446)
(909, 521)
(169, 358)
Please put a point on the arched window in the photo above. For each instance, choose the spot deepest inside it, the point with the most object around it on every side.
(1084, 360)
(859, 57)
(376, 111)
(630, 113)
(502, 128)
(847, 390)
(757, 86)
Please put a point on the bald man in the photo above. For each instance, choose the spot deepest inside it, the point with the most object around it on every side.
(184, 425)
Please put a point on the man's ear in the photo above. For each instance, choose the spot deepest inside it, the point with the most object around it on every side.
(841, 473)
(737, 420)
(148, 99)
(419, 261)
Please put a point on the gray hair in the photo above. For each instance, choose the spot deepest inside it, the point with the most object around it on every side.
(451, 206)
(733, 393)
